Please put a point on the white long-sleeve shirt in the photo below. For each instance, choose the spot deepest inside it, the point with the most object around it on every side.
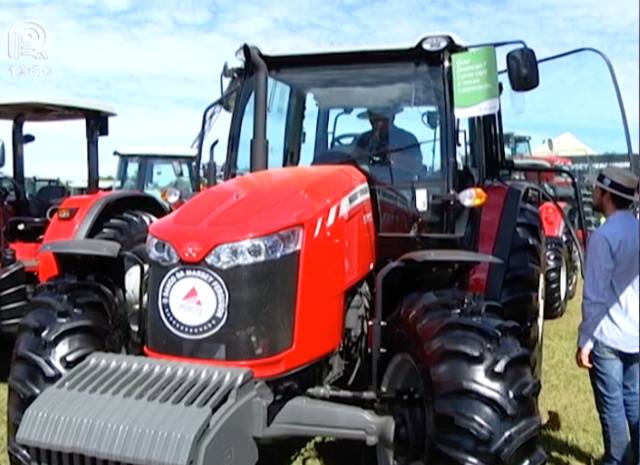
(611, 302)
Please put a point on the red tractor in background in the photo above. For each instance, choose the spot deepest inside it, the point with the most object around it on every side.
(377, 294)
(562, 255)
(52, 215)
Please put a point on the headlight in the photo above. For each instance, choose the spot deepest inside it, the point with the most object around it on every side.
(171, 195)
(161, 252)
(256, 250)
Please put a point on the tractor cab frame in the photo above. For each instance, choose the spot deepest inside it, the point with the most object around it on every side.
(96, 119)
(30, 217)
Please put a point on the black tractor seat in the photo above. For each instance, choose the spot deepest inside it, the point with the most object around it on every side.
(26, 228)
(45, 198)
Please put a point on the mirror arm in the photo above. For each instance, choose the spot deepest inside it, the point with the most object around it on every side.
(500, 44)
(616, 87)
(612, 73)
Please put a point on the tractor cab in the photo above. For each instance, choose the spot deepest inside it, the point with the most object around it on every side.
(32, 201)
(389, 113)
(517, 145)
(167, 173)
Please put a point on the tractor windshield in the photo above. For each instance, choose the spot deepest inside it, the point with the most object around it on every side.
(384, 117)
(154, 175)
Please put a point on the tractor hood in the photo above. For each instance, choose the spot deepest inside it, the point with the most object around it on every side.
(255, 205)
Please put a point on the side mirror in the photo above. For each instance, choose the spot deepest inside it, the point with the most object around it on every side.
(28, 138)
(522, 67)
(2, 156)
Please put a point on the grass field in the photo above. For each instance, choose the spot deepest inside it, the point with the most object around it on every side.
(572, 432)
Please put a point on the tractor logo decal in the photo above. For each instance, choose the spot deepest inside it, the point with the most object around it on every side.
(192, 298)
(193, 302)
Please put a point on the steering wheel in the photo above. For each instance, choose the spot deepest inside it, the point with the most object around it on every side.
(344, 140)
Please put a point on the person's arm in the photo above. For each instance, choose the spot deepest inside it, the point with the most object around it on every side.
(597, 288)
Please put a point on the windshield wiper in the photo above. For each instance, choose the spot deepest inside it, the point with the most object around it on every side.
(400, 149)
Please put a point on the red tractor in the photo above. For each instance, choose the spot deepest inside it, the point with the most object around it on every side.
(342, 283)
(562, 256)
(52, 215)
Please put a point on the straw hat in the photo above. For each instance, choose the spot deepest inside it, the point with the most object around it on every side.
(618, 181)
(380, 112)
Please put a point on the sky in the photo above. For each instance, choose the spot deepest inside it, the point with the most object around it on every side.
(158, 63)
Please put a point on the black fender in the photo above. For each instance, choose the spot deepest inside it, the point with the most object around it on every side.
(83, 247)
(515, 196)
(115, 203)
(86, 257)
(448, 255)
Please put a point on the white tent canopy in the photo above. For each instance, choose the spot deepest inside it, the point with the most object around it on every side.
(564, 145)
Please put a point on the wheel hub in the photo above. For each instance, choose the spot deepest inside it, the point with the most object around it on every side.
(563, 280)
(403, 388)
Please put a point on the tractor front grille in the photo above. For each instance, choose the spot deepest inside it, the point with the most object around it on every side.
(127, 409)
(48, 457)
(259, 315)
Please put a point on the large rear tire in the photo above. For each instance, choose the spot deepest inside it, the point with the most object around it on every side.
(129, 229)
(523, 286)
(479, 390)
(68, 321)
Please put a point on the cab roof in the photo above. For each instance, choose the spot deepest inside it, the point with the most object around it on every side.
(422, 50)
(53, 110)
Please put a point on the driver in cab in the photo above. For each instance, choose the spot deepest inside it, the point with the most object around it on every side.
(387, 142)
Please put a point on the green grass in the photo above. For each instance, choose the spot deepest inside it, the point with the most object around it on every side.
(572, 432)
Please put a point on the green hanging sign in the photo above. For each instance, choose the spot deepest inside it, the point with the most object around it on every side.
(475, 83)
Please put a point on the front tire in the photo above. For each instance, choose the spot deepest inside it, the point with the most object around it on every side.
(574, 268)
(68, 321)
(479, 390)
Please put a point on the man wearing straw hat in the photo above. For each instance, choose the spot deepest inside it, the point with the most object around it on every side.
(387, 141)
(608, 334)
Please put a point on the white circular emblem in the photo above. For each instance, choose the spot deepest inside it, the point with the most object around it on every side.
(193, 302)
